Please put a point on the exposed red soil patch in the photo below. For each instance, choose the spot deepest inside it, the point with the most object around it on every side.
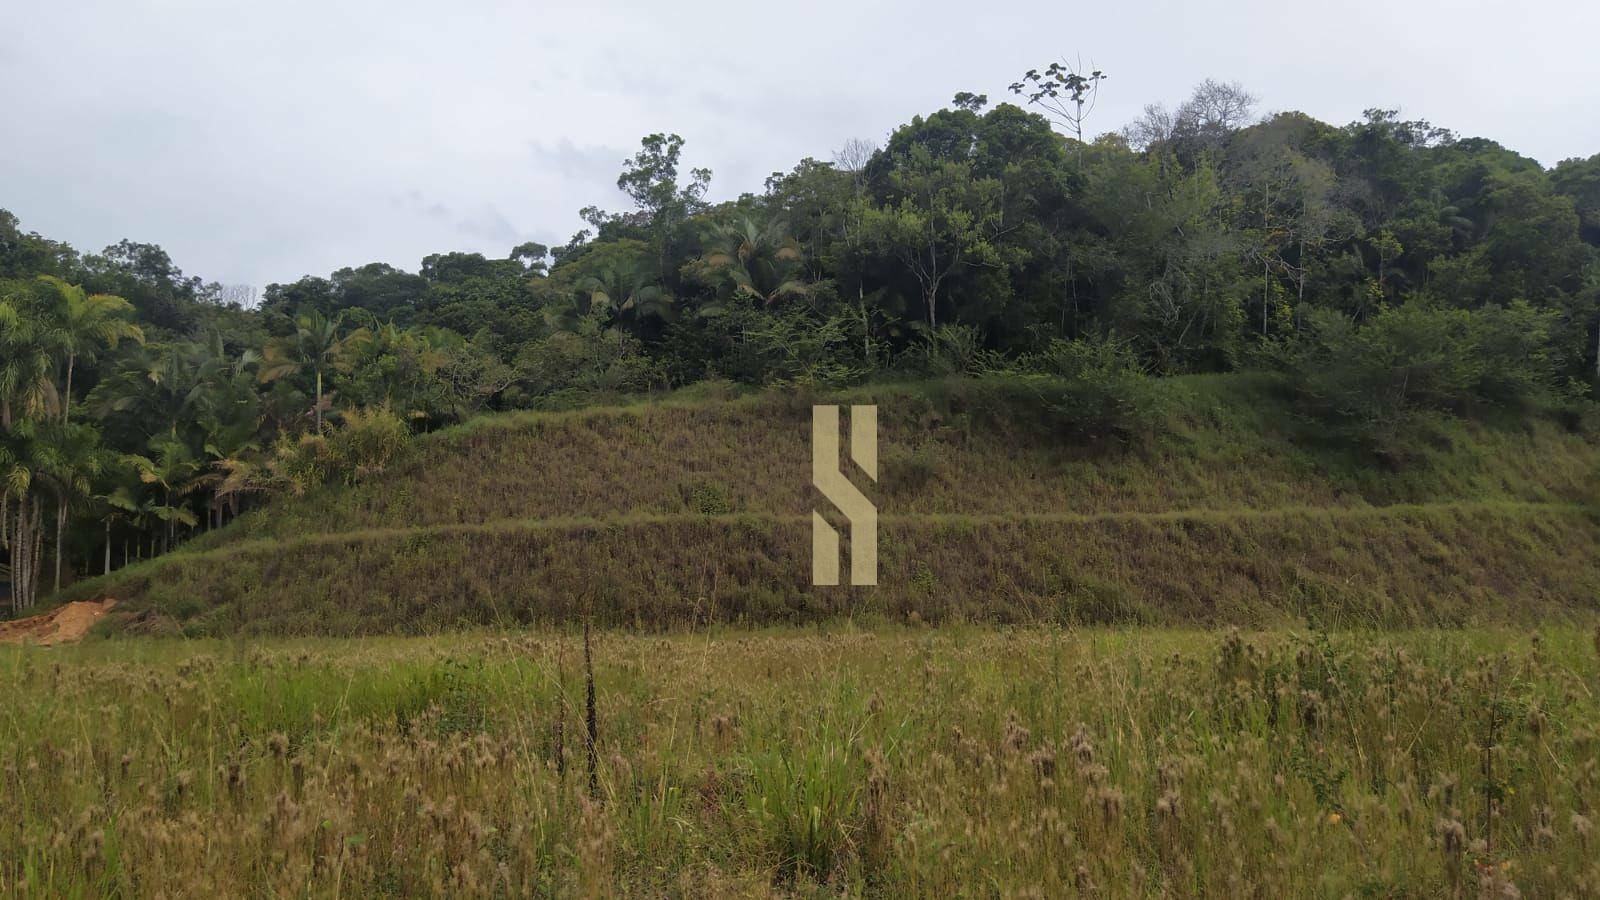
(59, 626)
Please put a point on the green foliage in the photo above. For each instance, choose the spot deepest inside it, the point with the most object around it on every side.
(1372, 382)
(939, 220)
(950, 350)
(1099, 389)
(584, 365)
(708, 499)
(366, 444)
(1402, 276)
(1081, 389)
(794, 345)
(840, 761)
(746, 263)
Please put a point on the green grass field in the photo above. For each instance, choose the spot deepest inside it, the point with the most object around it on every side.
(804, 762)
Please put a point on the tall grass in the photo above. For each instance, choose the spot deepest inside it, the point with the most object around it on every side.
(1030, 762)
(1395, 566)
(683, 512)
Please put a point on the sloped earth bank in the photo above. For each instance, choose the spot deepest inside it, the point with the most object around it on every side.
(62, 625)
(661, 516)
(1446, 564)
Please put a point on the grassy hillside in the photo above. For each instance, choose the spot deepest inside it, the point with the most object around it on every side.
(698, 508)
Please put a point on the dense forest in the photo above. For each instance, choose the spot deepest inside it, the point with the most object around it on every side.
(1388, 270)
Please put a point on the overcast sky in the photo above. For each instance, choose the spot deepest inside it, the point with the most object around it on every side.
(259, 142)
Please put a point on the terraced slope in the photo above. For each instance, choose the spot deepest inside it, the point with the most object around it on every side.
(693, 510)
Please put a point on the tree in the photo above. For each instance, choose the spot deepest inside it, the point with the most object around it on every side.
(531, 255)
(316, 346)
(229, 416)
(1063, 93)
(943, 221)
(1155, 127)
(651, 179)
(146, 275)
(155, 389)
(853, 155)
(1171, 267)
(743, 260)
(1204, 123)
(88, 323)
(1291, 211)
(45, 325)
(1579, 179)
(174, 470)
(21, 534)
(70, 459)
(616, 282)
(1214, 111)
(29, 347)
(852, 158)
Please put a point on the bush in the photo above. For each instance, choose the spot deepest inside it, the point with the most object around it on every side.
(367, 442)
(795, 345)
(706, 498)
(1375, 382)
(572, 368)
(950, 350)
(1097, 388)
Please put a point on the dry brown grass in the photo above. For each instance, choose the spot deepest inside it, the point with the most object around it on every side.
(1396, 566)
(670, 514)
(959, 448)
(953, 761)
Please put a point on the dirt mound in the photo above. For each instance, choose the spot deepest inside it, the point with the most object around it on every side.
(64, 625)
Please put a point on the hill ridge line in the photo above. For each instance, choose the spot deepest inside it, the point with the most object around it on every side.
(644, 520)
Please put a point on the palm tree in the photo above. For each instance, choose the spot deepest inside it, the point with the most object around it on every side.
(398, 365)
(232, 469)
(161, 391)
(28, 399)
(43, 326)
(746, 260)
(88, 322)
(229, 415)
(19, 472)
(316, 345)
(142, 511)
(117, 503)
(626, 293)
(70, 457)
(28, 348)
(174, 469)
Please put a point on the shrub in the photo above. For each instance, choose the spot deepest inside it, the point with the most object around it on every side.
(950, 350)
(707, 499)
(571, 368)
(795, 345)
(366, 443)
(1097, 388)
(1375, 382)
(297, 463)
